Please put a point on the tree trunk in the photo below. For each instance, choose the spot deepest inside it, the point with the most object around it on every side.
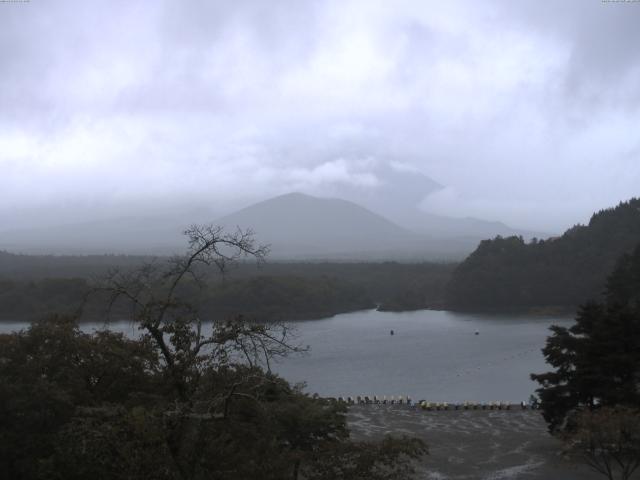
(296, 469)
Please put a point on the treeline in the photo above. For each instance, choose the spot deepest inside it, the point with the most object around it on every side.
(34, 267)
(268, 298)
(390, 285)
(29, 300)
(508, 273)
(272, 292)
(259, 298)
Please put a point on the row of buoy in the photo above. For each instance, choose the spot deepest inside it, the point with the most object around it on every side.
(424, 405)
(391, 332)
(430, 406)
(375, 400)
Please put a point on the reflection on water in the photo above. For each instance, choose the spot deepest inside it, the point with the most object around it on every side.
(432, 354)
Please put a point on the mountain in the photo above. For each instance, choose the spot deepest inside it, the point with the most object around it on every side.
(397, 194)
(508, 273)
(298, 225)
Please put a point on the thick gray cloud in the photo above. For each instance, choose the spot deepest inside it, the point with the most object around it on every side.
(527, 112)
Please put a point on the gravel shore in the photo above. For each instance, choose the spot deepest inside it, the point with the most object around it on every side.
(473, 444)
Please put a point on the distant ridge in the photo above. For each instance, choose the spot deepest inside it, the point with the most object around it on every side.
(398, 196)
(299, 225)
(508, 273)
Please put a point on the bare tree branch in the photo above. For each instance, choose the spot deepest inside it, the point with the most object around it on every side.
(152, 291)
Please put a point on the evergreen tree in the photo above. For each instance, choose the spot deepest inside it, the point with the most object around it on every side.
(597, 360)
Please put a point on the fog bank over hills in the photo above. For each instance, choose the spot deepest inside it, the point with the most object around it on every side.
(396, 191)
(296, 226)
(367, 209)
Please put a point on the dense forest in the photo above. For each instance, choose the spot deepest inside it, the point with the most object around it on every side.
(32, 286)
(508, 273)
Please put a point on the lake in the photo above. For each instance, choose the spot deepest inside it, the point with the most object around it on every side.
(435, 355)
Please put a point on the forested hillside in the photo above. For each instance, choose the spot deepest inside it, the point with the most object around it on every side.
(34, 286)
(508, 273)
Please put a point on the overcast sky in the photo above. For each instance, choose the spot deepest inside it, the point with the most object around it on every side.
(526, 112)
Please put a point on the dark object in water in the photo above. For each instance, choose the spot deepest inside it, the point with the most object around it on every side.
(477, 332)
(391, 332)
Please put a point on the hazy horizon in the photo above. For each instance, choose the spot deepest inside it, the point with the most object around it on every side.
(520, 112)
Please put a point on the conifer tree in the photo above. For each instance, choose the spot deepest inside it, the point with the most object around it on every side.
(597, 360)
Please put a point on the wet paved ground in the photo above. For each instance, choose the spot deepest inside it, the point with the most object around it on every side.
(473, 444)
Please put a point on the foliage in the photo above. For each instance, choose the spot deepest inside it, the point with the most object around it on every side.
(271, 298)
(275, 292)
(267, 298)
(608, 439)
(53, 368)
(32, 299)
(508, 273)
(597, 360)
(181, 402)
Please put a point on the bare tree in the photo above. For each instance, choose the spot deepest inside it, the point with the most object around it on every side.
(228, 356)
(608, 440)
(152, 292)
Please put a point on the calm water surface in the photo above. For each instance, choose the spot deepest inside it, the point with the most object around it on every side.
(434, 355)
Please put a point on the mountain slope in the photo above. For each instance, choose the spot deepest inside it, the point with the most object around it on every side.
(468, 227)
(297, 226)
(397, 194)
(561, 272)
(301, 225)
